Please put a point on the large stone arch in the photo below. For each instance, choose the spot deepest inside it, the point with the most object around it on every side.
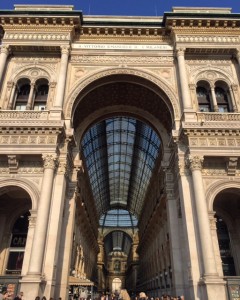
(218, 187)
(79, 87)
(25, 185)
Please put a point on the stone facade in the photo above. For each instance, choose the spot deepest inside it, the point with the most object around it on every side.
(59, 74)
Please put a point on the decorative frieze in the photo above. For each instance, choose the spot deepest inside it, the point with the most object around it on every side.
(13, 163)
(121, 59)
(223, 39)
(224, 142)
(30, 167)
(28, 36)
(28, 139)
(30, 59)
(24, 115)
(232, 164)
(218, 117)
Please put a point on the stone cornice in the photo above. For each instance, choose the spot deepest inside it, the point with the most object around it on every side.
(206, 20)
(122, 32)
(19, 18)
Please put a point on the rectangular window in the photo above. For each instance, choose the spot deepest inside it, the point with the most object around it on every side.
(15, 261)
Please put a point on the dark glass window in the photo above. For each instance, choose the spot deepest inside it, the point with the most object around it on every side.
(41, 97)
(225, 248)
(222, 100)
(22, 97)
(18, 244)
(203, 99)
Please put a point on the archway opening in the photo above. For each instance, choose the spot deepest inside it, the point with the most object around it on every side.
(227, 208)
(123, 129)
(15, 205)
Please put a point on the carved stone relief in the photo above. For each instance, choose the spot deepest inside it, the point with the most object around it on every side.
(122, 59)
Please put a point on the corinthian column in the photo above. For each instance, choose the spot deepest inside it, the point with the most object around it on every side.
(206, 244)
(38, 246)
(187, 103)
(62, 77)
(3, 59)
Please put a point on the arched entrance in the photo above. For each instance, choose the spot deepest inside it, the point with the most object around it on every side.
(226, 205)
(116, 285)
(123, 125)
(14, 229)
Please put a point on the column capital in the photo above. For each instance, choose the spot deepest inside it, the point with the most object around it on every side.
(49, 161)
(195, 162)
(212, 86)
(65, 49)
(5, 49)
(180, 51)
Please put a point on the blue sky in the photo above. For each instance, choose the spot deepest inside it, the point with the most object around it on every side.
(127, 7)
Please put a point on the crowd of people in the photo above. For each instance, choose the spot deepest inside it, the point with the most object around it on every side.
(142, 296)
(123, 295)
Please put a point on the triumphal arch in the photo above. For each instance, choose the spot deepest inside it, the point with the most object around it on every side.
(119, 153)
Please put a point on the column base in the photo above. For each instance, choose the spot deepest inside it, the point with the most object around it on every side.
(32, 285)
(213, 288)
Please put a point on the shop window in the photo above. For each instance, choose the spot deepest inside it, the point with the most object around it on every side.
(18, 244)
(222, 99)
(203, 99)
(225, 248)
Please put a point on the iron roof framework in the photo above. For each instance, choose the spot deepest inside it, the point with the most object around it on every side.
(120, 154)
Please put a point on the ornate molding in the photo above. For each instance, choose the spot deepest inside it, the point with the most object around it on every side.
(49, 161)
(5, 49)
(24, 115)
(13, 163)
(121, 59)
(232, 164)
(183, 167)
(30, 139)
(223, 39)
(34, 36)
(224, 141)
(124, 71)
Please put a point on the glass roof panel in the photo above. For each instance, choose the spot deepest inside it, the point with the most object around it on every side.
(120, 154)
(118, 218)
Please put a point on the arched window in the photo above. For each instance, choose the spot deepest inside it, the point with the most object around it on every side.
(222, 99)
(203, 99)
(31, 97)
(41, 95)
(225, 248)
(17, 246)
(22, 96)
